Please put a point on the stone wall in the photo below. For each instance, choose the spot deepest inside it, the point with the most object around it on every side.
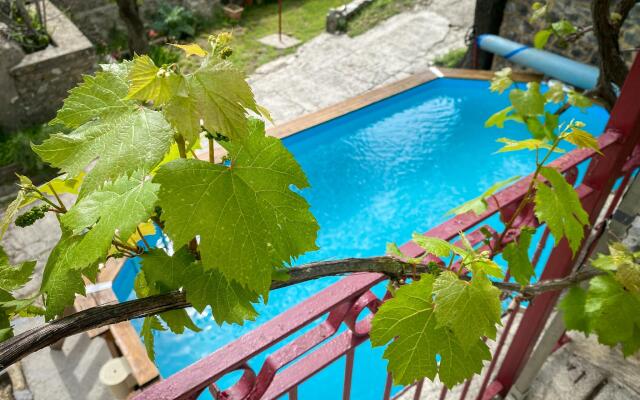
(32, 86)
(96, 18)
(516, 26)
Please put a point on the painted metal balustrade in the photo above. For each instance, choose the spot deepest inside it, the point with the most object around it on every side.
(343, 303)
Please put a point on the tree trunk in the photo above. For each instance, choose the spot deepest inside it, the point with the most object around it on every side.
(137, 37)
(613, 69)
(487, 19)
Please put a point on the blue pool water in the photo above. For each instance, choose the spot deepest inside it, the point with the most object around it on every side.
(377, 175)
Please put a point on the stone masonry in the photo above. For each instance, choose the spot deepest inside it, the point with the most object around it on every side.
(32, 86)
(96, 18)
(516, 26)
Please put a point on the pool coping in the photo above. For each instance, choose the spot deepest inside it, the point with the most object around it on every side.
(122, 337)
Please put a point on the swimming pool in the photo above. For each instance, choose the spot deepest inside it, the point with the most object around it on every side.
(377, 175)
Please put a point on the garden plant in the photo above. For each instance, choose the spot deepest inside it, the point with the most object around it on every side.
(130, 160)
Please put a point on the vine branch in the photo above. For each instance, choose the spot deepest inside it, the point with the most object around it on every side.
(18, 347)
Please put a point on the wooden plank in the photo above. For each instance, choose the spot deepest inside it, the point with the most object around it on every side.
(129, 344)
(84, 303)
(487, 75)
(111, 269)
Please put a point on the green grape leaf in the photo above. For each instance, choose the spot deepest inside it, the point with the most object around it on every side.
(572, 306)
(578, 100)
(150, 324)
(541, 38)
(222, 97)
(632, 345)
(559, 206)
(61, 280)
(11, 212)
(14, 277)
(229, 301)
(582, 139)
(618, 255)
(539, 11)
(150, 83)
(528, 103)
(479, 204)
(501, 80)
(6, 331)
(458, 364)
(550, 125)
(101, 96)
(498, 119)
(182, 115)
(436, 246)
(563, 27)
(176, 320)
(612, 311)
(410, 320)
(629, 276)
(517, 256)
(555, 93)
(191, 49)
(116, 208)
(394, 250)
(535, 127)
(526, 144)
(470, 309)
(137, 140)
(255, 222)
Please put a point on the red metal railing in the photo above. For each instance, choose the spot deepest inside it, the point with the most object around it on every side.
(342, 303)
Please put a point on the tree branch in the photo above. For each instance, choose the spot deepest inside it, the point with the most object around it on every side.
(14, 349)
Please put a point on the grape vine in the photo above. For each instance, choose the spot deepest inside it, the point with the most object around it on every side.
(130, 161)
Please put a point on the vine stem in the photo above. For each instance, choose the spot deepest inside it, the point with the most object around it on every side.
(526, 198)
(19, 346)
(212, 158)
(144, 240)
(182, 147)
(55, 194)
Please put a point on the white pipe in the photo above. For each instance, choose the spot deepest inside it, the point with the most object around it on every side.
(561, 68)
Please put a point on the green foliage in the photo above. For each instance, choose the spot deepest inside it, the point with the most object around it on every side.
(557, 204)
(150, 83)
(118, 207)
(477, 262)
(560, 32)
(163, 55)
(609, 305)
(149, 325)
(174, 21)
(420, 337)
(479, 204)
(25, 23)
(516, 254)
(470, 309)
(126, 124)
(526, 144)
(61, 280)
(451, 59)
(501, 80)
(255, 210)
(229, 301)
